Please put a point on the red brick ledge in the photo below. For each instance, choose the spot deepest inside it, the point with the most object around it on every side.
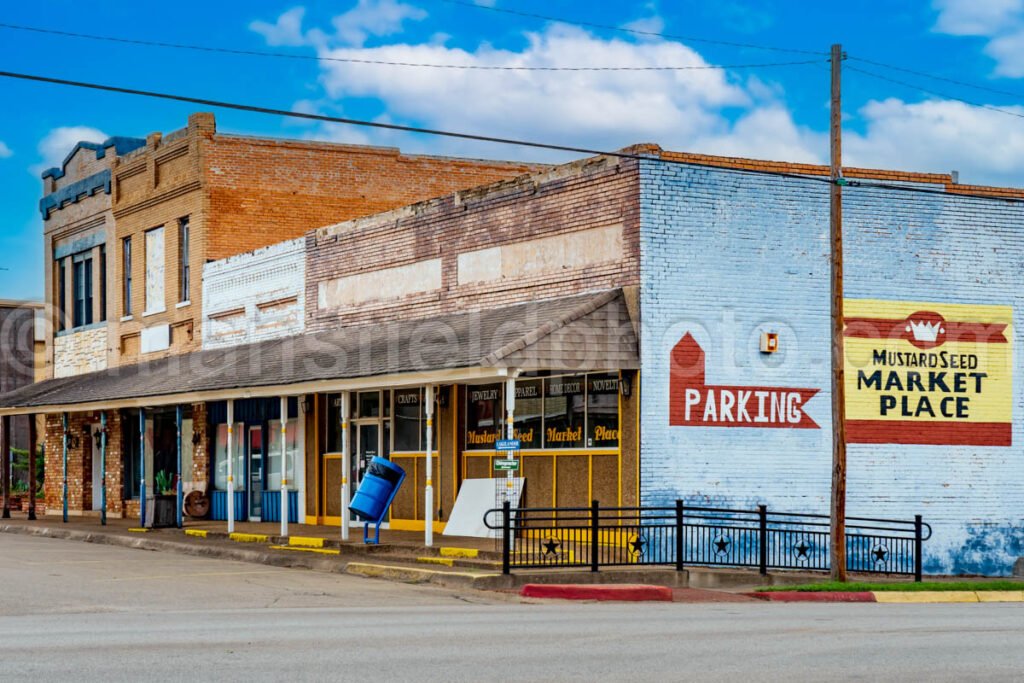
(635, 592)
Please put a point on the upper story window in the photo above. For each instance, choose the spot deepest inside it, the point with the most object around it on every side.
(62, 297)
(184, 253)
(82, 289)
(103, 282)
(126, 269)
(155, 301)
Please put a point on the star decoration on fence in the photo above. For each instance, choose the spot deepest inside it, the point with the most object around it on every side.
(880, 553)
(637, 545)
(721, 545)
(550, 547)
(801, 550)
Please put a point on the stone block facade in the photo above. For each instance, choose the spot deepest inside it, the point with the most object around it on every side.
(79, 351)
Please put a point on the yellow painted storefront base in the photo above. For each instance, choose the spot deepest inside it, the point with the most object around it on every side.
(415, 525)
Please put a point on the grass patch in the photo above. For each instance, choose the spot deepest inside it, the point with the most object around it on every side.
(836, 587)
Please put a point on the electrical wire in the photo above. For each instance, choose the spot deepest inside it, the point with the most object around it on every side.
(633, 31)
(386, 126)
(380, 62)
(493, 139)
(947, 96)
(935, 77)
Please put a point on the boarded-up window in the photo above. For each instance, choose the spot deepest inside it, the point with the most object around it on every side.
(155, 271)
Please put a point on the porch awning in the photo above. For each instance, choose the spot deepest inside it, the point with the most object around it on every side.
(579, 333)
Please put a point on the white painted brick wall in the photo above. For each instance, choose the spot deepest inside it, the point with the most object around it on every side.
(267, 285)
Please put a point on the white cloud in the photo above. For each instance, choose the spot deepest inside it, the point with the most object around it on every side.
(986, 147)
(287, 30)
(5, 151)
(1000, 21)
(59, 142)
(605, 110)
(976, 17)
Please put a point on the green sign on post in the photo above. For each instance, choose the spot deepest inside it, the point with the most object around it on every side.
(506, 465)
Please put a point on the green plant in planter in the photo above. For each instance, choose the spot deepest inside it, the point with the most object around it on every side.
(165, 483)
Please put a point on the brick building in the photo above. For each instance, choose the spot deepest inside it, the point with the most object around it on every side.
(536, 300)
(129, 225)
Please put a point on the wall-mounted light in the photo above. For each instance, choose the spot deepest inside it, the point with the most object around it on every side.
(442, 396)
(305, 404)
(625, 385)
(197, 436)
(98, 437)
(769, 342)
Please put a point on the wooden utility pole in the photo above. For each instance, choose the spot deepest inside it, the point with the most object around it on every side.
(32, 467)
(838, 527)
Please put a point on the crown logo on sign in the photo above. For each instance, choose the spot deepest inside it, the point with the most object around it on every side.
(924, 331)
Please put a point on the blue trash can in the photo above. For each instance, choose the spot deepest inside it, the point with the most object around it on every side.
(377, 489)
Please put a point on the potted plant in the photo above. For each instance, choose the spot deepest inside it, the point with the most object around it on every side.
(165, 505)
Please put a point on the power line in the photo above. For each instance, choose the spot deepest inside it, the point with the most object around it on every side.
(386, 126)
(935, 77)
(633, 31)
(378, 62)
(947, 96)
(489, 138)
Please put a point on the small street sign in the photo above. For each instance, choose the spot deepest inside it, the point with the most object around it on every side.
(506, 445)
(506, 465)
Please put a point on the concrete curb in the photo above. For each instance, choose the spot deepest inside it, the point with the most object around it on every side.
(892, 597)
(801, 596)
(613, 592)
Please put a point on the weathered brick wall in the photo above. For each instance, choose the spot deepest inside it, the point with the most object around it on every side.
(435, 255)
(255, 296)
(726, 255)
(263, 191)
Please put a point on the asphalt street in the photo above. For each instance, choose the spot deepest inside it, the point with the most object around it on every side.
(84, 612)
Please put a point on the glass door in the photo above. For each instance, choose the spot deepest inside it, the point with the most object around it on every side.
(255, 474)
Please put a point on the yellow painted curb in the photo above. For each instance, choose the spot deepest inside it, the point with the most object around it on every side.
(446, 561)
(138, 530)
(322, 551)
(306, 541)
(1000, 596)
(406, 574)
(248, 538)
(460, 552)
(910, 597)
(198, 533)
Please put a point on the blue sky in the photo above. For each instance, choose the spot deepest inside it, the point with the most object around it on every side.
(772, 112)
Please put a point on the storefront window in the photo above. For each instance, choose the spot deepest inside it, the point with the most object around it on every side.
(220, 461)
(274, 454)
(483, 416)
(564, 402)
(368, 404)
(603, 411)
(409, 422)
(529, 413)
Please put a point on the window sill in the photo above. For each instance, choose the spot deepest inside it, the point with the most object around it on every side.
(126, 318)
(146, 314)
(182, 304)
(81, 328)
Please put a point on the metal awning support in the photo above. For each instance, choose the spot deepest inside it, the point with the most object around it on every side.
(5, 476)
(64, 496)
(284, 466)
(231, 458)
(31, 467)
(142, 466)
(103, 468)
(346, 447)
(178, 488)
(428, 493)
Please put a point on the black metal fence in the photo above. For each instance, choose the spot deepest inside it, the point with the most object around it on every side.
(682, 535)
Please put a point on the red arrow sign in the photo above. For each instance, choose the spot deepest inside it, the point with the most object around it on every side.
(692, 403)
